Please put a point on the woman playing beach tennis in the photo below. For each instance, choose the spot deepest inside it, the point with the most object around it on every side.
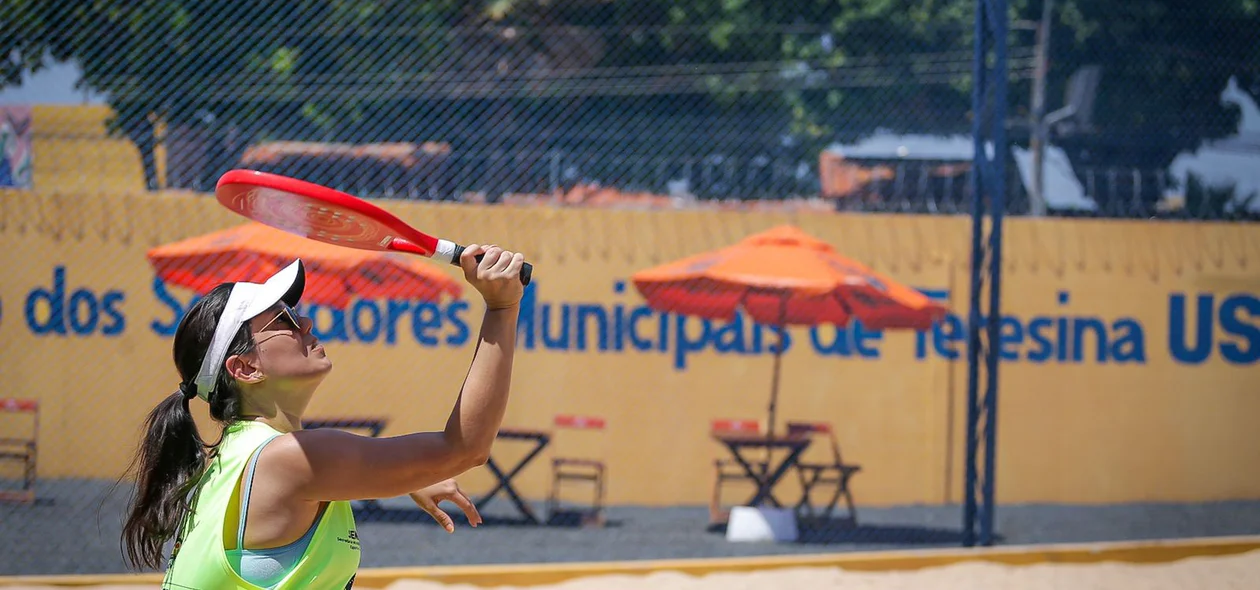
(267, 506)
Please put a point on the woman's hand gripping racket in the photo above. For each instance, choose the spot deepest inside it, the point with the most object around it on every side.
(328, 215)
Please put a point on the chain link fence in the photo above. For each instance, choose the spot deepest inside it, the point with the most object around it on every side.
(611, 139)
(747, 103)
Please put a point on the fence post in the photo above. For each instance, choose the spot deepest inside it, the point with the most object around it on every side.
(988, 200)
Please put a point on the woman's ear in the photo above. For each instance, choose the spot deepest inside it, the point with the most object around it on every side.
(244, 368)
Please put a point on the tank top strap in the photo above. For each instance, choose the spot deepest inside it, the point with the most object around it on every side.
(246, 487)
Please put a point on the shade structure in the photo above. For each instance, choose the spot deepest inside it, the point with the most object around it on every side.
(782, 277)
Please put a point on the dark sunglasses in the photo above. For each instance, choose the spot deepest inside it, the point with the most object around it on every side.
(290, 315)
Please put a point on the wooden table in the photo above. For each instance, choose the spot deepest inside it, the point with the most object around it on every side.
(740, 442)
(540, 439)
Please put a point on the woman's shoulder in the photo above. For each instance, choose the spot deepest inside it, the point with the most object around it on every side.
(239, 427)
(244, 436)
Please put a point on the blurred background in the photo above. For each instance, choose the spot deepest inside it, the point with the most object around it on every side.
(645, 156)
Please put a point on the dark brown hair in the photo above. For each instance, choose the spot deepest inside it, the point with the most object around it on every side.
(172, 455)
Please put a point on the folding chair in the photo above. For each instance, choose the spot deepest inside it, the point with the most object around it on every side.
(21, 447)
(728, 470)
(834, 471)
(579, 469)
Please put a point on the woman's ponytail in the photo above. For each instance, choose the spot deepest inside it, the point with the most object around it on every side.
(172, 455)
(168, 463)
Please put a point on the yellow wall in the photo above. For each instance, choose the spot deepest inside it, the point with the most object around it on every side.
(73, 153)
(1150, 428)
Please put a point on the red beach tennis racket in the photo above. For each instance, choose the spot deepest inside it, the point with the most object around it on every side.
(328, 215)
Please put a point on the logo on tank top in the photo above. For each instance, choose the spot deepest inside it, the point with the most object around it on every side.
(351, 539)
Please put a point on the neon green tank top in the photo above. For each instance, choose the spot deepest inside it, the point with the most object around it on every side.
(199, 560)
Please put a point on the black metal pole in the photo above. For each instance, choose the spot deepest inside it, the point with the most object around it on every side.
(987, 207)
(997, 214)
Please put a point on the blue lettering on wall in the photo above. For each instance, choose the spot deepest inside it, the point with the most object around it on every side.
(1244, 349)
(366, 321)
(455, 317)
(690, 340)
(1184, 350)
(1237, 315)
(173, 305)
(1200, 327)
(82, 312)
(1061, 338)
(618, 327)
(1067, 337)
(54, 321)
(327, 323)
(371, 321)
(585, 313)
(115, 322)
(426, 324)
(849, 341)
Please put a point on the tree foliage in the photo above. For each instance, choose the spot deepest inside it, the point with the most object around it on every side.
(816, 70)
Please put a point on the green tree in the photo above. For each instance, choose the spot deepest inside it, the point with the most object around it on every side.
(852, 65)
(827, 68)
(504, 75)
(284, 68)
(1164, 64)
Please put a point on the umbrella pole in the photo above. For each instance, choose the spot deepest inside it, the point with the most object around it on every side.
(778, 358)
(774, 385)
(774, 379)
(774, 402)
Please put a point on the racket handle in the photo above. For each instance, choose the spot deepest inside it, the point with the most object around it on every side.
(527, 269)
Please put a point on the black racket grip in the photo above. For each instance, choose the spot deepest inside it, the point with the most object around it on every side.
(527, 269)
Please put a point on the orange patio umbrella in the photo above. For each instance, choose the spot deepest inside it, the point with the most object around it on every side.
(782, 277)
(334, 275)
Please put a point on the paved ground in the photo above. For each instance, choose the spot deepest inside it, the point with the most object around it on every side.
(74, 529)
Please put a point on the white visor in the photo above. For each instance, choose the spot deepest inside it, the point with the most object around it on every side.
(246, 301)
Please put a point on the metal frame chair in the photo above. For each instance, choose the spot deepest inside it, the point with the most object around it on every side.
(21, 449)
(835, 472)
(727, 470)
(579, 469)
